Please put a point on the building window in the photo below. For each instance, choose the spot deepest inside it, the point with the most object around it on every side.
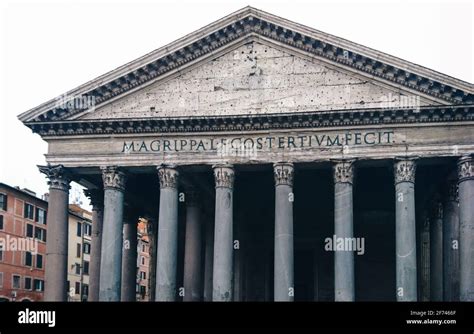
(142, 291)
(38, 284)
(39, 261)
(28, 211)
(3, 202)
(1, 252)
(85, 291)
(40, 233)
(77, 288)
(78, 269)
(1, 222)
(142, 275)
(87, 248)
(40, 216)
(142, 260)
(1, 280)
(79, 230)
(28, 259)
(16, 281)
(87, 229)
(144, 248)
(86, 268)
(27, 283)
(78, 250)
(29, 230)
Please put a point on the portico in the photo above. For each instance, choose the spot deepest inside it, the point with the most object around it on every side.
(251, 152)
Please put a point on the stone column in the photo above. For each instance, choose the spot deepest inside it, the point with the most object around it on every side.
(223, 234)
(129, 258)
(425, 259)
(451, 243)
(57, 244)
(436, 253)
(343, 228)
(111, 257)
(167, 253)
(193, 273)
(208, 259)
(97, 201)
(283, 254)
(466, 219)
(405, 230)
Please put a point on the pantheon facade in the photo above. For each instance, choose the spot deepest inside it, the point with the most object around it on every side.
(272, 161)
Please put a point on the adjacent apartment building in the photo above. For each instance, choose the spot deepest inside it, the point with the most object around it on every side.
(22, 244)
(79, 249)
(143, 262)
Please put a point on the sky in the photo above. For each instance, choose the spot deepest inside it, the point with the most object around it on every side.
(50, 47)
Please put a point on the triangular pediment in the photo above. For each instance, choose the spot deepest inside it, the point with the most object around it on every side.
(257, 78)
(253, 62)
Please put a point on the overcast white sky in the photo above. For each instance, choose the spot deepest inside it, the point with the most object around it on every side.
(47, 48)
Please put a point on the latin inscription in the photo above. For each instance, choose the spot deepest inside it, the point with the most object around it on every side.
(263, 143)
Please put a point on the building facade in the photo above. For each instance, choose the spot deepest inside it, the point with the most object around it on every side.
(79, 250)
(143, 262)
(276, 162)
(22, 244)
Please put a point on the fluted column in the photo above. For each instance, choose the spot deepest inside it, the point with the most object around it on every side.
(284, 260)
(97, 201)
(466, 219)
(167, 234)
(405, 230)
(451, 242)
(57, 242)
(111, 256)
(223, 234)
(129, 258)
(343, 228)
(193, 273)
(436, 252)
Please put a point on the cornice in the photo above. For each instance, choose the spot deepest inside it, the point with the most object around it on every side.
(316, 119)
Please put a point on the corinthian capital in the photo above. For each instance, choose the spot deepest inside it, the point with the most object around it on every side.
(466, 168)
(113, 178)
(168, 176)
(58, 177)
(96, 197)
(224, 176)
(283, 173)
(405, 170)
(343, 171)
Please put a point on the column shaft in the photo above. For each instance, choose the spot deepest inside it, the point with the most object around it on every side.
(436, 254)
(111, 255)
(57, 243)
(223, 234)
(167, 252)
(451, 244)
(192, 250)
(405, 230)
(129, 260)
(97, 199)
(208, 259)
(343, 228)
(284, 259)
(466, 222)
